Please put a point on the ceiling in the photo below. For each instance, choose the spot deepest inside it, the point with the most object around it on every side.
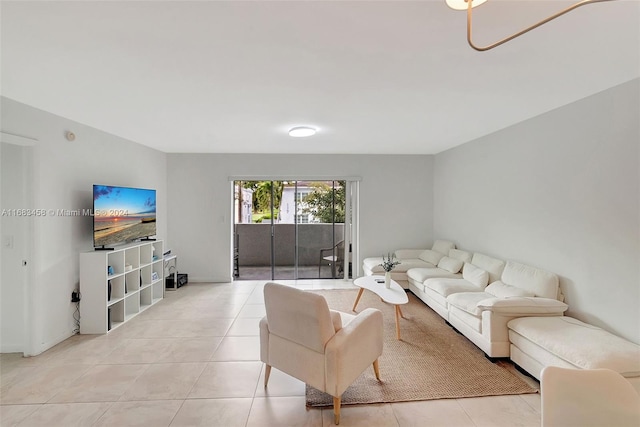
(372, 76)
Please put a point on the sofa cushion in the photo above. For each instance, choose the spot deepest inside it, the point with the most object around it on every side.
(583, 345)
(443, 246)
(419, 275)
(463, 256)
(407, 253)
(501, 290)
(541, 283)
(452, 265)
(431, 256)
(493, 266)
(373, 264)
(468, 301)
(475, 275)
(523, 306)
(446, 287)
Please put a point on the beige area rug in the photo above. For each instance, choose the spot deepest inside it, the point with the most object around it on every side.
(432, 361)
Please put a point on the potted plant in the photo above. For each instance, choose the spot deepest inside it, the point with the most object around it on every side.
(388, 264)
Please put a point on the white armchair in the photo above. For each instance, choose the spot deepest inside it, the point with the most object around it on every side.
(324, 348)
(587, 398)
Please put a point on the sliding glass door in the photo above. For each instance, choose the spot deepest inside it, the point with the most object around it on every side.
(289, 230)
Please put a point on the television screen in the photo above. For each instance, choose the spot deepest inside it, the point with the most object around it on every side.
(122, 214)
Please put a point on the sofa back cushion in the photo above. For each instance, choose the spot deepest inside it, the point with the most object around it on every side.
(452, 265)
(475, 275)
(431, 256)
(541, 283)
(463, 256)
(501, 290)
(442, 246)
(493, 266)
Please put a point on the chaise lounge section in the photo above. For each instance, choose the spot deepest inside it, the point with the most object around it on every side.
(565, 342)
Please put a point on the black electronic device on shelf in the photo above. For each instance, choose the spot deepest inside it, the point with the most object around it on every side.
(183, 279)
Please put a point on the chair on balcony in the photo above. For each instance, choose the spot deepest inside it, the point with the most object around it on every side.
(236, 256)
(333, 256)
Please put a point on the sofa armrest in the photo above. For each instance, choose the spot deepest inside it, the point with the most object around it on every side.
(354, 347)
(523, 306)
(408, 253)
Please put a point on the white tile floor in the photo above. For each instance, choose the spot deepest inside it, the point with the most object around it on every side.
(193, 360)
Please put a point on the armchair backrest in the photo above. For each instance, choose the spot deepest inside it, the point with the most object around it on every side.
(298, 316)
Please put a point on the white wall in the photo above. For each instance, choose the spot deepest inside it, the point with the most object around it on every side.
(561, 192)
(63, 174)
(395, 195)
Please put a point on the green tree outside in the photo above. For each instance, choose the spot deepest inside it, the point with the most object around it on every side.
(320, 202)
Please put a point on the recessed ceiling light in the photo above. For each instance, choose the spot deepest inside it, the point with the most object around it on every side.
(300, 131)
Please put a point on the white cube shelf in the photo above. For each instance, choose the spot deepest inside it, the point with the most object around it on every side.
(134, 286)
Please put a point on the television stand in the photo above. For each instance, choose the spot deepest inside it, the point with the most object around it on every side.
(102, 248)
(147, 239)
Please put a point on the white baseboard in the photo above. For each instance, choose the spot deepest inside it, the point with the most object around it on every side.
(210, 279)
(47, 345)
(11, 348)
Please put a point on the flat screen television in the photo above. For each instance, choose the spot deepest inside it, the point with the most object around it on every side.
(122, 214)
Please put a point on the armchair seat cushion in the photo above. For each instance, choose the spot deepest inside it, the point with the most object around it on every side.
(340, 319)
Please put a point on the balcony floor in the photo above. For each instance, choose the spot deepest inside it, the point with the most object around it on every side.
(284, 273)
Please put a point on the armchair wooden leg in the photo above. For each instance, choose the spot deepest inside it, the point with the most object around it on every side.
(336, 410)
(267, 372)
(376, 369)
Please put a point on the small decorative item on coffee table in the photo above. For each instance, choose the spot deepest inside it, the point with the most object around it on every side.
(387, 265)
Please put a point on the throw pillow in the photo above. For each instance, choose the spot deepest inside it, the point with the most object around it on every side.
(475, 275)
(452, 265)
(431, 256)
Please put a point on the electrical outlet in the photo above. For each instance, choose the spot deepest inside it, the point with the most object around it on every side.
(75, 296)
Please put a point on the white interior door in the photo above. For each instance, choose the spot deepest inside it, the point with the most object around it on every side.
(15, 247)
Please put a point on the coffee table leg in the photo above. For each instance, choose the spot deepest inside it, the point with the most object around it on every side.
(400, 310)
(397, 322)
(357, 299)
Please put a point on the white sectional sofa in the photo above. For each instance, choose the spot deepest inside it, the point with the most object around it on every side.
(509, 309)
(476, 275)
(409, 258)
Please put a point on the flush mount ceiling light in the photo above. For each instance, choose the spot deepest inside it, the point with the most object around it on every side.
(301, 131)
(469, 5)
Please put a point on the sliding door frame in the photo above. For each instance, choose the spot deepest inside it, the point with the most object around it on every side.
(351, 227)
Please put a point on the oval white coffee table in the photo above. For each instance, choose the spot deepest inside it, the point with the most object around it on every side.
(394, 295)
